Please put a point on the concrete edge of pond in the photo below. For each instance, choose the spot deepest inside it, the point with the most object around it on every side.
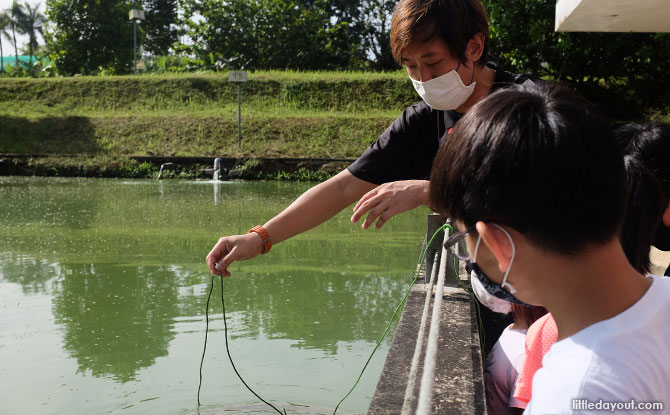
(459, 380)
(117, 166)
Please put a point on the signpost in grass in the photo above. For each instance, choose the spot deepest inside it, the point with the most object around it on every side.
(238, 77)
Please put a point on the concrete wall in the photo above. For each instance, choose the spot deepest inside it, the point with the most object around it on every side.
(459, 382)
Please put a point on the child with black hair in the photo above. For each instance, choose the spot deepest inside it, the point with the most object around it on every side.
(648, 144)
(647, 203)
(534, 177)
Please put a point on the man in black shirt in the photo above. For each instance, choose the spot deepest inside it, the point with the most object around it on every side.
(406, 149)
(443, 44)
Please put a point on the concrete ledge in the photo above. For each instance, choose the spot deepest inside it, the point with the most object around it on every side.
(459, 379)
(459, 385)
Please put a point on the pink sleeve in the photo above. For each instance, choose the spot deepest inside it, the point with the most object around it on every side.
(541, 335)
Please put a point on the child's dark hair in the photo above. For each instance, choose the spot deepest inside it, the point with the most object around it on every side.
(538, 158)
(649, 143)
(647, 158)
(643, 214)
(453, 21)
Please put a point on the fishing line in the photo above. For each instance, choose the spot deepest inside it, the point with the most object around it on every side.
(225, 329)
(211, 287)
(397, 309)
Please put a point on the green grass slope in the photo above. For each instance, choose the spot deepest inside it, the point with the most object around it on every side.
(284, 114)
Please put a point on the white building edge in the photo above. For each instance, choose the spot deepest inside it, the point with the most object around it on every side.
(612, 16)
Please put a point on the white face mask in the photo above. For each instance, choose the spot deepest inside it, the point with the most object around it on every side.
(446, 92)
(491, 302)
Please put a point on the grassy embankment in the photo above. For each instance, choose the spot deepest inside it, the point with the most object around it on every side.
(104, 120)
(100, 122)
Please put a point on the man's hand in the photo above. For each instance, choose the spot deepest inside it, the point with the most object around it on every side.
(233, 248)
(389, 199)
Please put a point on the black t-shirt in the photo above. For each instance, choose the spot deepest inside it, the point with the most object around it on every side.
(405, 151)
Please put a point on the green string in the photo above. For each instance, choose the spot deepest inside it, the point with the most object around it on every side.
(386, 330)
(230, 358)
(204, 348)
(397, 309)
(225, 328)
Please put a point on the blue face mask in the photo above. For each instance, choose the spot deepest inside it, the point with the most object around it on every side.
(496, 290)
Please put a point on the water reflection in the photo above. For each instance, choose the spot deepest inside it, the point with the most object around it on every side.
(123, 265)
(119, 319)
(217, 191)
(316, 310)
(116, 319)
(31, 273)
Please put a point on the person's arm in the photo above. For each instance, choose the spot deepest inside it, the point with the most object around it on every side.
(312, 208)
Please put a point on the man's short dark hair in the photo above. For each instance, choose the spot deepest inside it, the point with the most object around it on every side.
(540, 159)
(453, 21)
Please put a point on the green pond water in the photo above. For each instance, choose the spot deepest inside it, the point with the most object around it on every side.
(103, 287)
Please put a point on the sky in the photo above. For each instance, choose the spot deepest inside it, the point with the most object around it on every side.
(8, 48)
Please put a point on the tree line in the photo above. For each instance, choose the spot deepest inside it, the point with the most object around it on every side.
(96, 36)
(89, 37)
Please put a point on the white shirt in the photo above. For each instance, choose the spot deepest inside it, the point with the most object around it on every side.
(619, 361)
(501, 370)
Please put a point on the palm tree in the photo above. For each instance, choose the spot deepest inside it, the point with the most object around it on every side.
(4, 24)
(14, 13)
(30, 22)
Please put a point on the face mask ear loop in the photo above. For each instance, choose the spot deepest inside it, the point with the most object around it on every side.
(474, 66)
(474, 256)
(504, 284)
